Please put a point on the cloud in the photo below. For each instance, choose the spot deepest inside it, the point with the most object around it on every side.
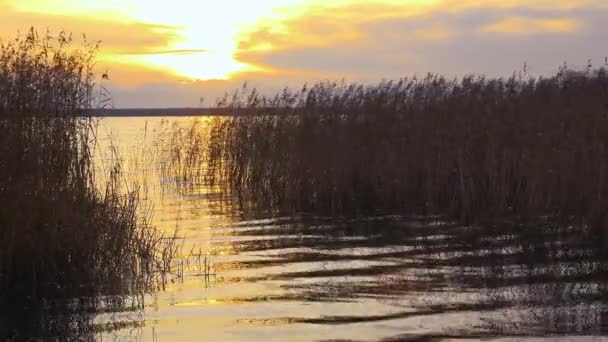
(311, 31)
(169, 52)
(123, 42)
(523, 25)
(369, 43)
(454, 37)
(141, 37)
(551, 5)
(131, 74)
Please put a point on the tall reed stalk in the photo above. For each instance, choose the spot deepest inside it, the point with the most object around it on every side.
(471, 149)
(61, 234)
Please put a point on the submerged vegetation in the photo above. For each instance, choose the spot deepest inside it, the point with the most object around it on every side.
(63, 235)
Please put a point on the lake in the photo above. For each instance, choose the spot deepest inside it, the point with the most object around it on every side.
(306, 278)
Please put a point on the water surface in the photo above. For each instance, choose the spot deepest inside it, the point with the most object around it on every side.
(306, 278)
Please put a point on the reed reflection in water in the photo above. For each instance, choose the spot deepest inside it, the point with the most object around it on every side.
(380, 278)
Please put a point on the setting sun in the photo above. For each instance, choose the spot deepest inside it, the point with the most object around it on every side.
(206, 34)
(200, 37)
(192, 48)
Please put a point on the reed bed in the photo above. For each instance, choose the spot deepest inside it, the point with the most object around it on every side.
(472, 148)
(182, 153)
(62, 236)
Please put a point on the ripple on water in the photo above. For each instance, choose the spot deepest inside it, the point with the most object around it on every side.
(393, 278)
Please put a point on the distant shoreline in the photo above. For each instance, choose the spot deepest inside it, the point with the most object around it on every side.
(134, 112)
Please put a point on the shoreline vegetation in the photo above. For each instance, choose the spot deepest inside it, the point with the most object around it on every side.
(151, 112)
(166, 112)
(507, 177)
(68, 246)
(470, 149)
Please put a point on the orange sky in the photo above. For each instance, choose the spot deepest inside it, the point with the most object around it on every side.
(170, 53)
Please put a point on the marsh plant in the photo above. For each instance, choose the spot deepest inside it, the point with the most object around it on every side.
(471, 148)
(182, 152)
(62, 235)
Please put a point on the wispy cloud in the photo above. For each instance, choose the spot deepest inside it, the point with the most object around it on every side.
(140, 37)
(417, 36)
(168, 52)
(523, 25)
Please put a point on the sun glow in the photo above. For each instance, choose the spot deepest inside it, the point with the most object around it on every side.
(209, 27)
(208, 30)
(201, 35)
(195, 39)
(158, 41)
(198, 65)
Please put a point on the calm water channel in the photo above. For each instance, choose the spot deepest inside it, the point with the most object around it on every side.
(385, 278)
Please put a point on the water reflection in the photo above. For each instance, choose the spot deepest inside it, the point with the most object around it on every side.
(77, 318)
(523, 280)
(384, 278)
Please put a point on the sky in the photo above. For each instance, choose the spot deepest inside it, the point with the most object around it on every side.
(173, 53)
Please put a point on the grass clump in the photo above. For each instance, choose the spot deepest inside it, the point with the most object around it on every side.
(62, 235)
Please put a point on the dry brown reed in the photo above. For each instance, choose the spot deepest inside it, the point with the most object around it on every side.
(182, 152)
(61, 235)
(471, 148)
